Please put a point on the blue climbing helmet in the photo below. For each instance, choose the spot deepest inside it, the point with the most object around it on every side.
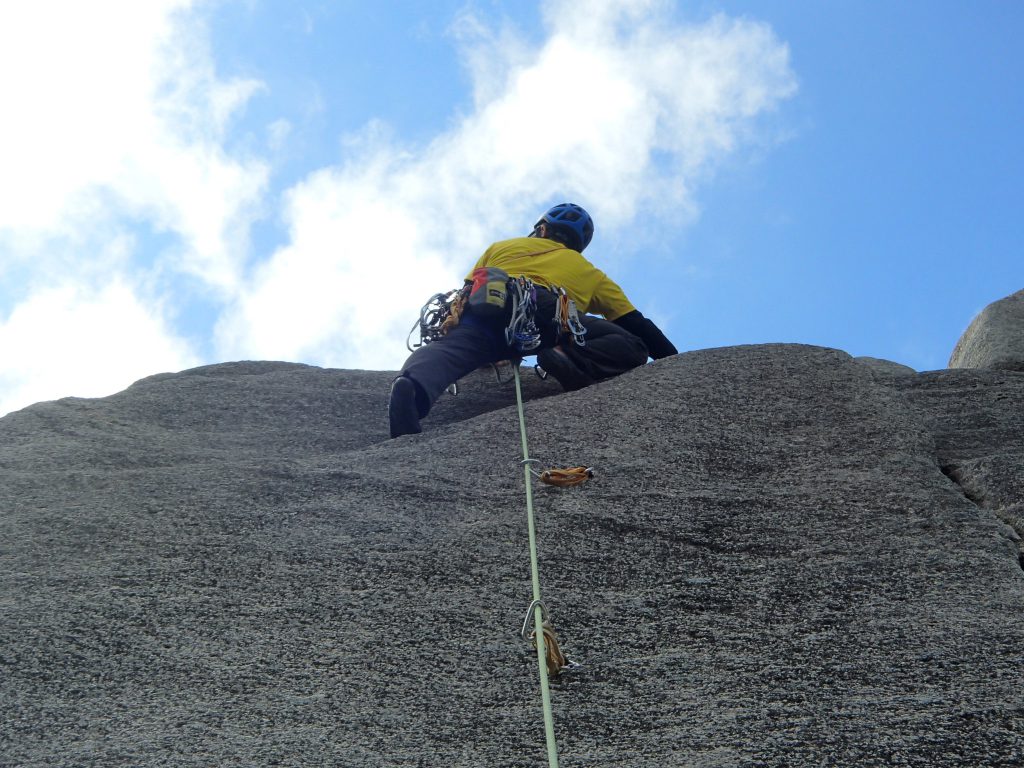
(571, 221)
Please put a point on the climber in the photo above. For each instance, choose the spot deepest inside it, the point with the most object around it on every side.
(550, 256)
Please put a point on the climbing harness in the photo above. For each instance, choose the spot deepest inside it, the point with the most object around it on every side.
(443, 311)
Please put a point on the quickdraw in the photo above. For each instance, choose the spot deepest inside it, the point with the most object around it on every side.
(566, 478)
(556, 660)
(568, 319)
(522, 333)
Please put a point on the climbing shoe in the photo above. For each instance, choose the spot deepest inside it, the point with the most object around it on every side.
(557, 363)
(402, 411)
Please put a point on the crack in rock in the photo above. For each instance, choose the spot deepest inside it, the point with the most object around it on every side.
(1012, 514)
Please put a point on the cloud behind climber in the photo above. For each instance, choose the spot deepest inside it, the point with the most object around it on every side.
(523, 296)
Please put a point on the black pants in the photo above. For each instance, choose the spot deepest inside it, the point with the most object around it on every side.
(609, 349)
(474, 342)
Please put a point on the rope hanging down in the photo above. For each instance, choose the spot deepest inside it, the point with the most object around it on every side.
(550, 659)
(536, 606)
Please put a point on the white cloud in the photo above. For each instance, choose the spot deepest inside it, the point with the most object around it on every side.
(117, 124)
(114, 124)
(336, 277)
(113, 109)
(620, 108)
(71, 340)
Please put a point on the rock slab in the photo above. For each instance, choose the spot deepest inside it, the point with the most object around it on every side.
(995, 338)
(787, 558)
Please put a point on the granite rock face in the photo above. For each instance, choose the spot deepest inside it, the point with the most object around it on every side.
(787, 557)
(995, 338)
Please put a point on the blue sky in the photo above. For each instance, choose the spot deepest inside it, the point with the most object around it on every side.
(195, 182)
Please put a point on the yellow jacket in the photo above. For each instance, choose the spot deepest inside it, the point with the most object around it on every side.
(551, 264)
